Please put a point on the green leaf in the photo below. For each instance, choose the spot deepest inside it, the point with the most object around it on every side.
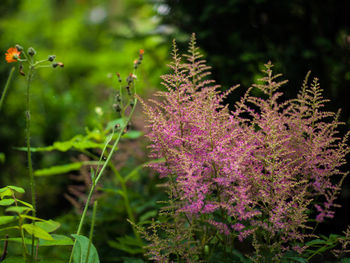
(59, 169)
(2, 158)
(136, 170)
(148, 215)
(128, 244)
(18, 209)
(9, 228)
(294, 259)
(133, 260)
(59, 240)
(32, 218)
(48, 226)
(132, 135)
(38, 232)
(13, 260)
(6, 202)
(79, 142)
(9, 190)
(16, 188)
(316, 242)
(25, 203)
(113, 123)
(81, 249)
(7, 219)
(242, 258)
(5, 192)
(27, 241)
(21, 260)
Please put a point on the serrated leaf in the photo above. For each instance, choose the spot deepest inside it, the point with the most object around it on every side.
(49, 225)
(38, 232)
(81, 249)
(7, 219)
(7, 202)
(18, 209)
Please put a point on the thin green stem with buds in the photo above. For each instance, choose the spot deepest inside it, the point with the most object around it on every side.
(100, 173)
(29, 153)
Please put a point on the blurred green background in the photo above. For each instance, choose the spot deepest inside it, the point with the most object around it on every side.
(97, 38)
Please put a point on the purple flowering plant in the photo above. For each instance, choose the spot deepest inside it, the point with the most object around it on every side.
(248, 184)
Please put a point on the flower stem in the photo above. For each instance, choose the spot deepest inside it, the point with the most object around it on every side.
(6, 87)
(29, 154)
(91, 230)
(100, 173)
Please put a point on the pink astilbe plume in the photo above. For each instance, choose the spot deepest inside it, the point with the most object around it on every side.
(258, 171)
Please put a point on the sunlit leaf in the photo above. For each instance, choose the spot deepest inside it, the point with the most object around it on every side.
(6, 202)
(81, 249)
(59, 169)
(132, 135)
(37, 231)
(49, 225)
(59, 240)
(16, 188)
(18, 209)
(25, 203)
(32, 218)
(7, 219)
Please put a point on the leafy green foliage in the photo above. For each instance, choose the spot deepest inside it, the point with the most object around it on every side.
(80, 252)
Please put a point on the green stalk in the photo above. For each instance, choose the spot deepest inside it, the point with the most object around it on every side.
(97, 178)
(29, 153)
(20, 223)
(91, 230)
(126, 200)
(6, 87)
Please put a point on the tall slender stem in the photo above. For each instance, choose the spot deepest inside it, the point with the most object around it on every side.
(3, 95)
(97, 178)
(91, 230)
(29, 153)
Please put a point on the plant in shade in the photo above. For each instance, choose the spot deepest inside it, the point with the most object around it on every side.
(256, 177)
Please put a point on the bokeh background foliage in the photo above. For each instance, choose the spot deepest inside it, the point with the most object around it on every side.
(97, 38)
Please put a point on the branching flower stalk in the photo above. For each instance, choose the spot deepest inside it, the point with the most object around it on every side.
(123, 103)
(13, 55)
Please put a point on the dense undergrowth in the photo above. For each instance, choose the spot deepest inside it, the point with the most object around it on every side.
(244, 185)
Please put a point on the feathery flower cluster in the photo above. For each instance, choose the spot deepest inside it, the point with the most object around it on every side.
(258, 171)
